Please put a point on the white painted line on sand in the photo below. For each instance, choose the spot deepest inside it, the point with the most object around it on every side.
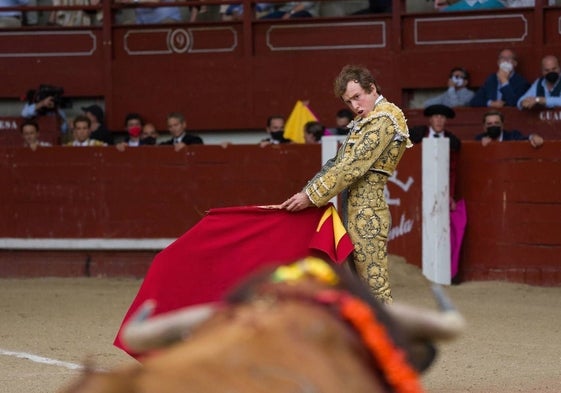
(41, 359)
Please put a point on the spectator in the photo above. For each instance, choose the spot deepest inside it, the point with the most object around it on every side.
(81, 132)
(149, 134)
(155, 15)
(457, 94)
(504, 87)
(75, 17)
(546, 90)
(438, 114)
(275, 129)
(467, 5)
(293, 9)
(177, 128)
(235, 11)
(30, 132)
(99, 132)
(493, 127)
(44, 102)
(313, 131)
(11, 18)
(524, 3)
(375, 7)
(342, 119)
(133, 126)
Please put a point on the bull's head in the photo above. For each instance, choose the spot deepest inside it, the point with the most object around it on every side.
(415, 330)
(258, 335)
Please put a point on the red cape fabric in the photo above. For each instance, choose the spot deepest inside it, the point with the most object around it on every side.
(227, 245)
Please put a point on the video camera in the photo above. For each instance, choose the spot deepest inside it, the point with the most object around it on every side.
(45, 91)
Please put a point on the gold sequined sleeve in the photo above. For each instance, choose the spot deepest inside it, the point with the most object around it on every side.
(361, 152)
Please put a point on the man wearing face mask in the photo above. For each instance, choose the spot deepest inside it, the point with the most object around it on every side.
(546, 90)
(457, 94)
(493, 122)
(504, 87)
(133, 125)
(275, 129)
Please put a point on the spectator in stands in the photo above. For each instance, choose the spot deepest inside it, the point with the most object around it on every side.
(37, 105)
(133, 126)
(75, 17)
(457, 94)
(81, 132)
(30, 132)
(375, 7)
(438, 114)
(160, 14)
(11, 18)
(493, 123)
(275, 129)
(293, 9)
(177, 128)
(504, 87)
(99, 132)
(467, 5)
(149, 134)
(235, 11)
(524, 3)
(545, 92)
(313, 131)
(342, 119)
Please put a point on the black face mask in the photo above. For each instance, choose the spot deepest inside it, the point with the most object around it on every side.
(277, 135)
(552, 77)
(493, 132)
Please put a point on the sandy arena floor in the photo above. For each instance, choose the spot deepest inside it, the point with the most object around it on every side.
(512, 344)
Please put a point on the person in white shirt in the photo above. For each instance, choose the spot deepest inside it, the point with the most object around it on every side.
(81, 132)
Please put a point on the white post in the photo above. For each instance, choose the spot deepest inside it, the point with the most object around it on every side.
(436, 210)
(329, 147)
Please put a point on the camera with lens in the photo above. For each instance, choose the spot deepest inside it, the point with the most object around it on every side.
(44, 91)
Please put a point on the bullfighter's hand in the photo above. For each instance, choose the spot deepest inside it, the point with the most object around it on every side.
(297, 202)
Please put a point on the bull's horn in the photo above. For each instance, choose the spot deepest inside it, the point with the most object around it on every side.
(418, 323)
(142, 334)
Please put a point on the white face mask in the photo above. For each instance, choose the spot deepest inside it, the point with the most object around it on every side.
(458, 81)
(506, 66)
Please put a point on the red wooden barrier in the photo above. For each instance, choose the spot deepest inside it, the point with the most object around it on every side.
(511, 191)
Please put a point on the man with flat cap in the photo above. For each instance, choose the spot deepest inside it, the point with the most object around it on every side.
(437, 116)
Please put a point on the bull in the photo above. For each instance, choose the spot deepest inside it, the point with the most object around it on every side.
(306, 327)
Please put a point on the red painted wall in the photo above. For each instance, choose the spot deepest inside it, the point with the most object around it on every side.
(511, 191)
(233, 75)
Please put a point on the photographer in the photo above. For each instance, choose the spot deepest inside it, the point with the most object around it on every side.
(45, 102)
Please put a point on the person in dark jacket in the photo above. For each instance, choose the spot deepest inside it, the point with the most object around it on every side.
(99, 131)
(438, 114)
(177, 128)
(493, 123)
(504, 87)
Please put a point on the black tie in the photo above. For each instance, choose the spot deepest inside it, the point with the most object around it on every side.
(436, 136)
